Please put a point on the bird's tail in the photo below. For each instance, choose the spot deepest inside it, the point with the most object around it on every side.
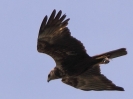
(111, 54)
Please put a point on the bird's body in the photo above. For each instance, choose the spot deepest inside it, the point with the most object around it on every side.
(73, 65)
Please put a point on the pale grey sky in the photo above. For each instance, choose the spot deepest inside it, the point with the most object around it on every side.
(101, 25)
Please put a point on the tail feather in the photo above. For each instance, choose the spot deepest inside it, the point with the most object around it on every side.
(119, 88)
(111, 54)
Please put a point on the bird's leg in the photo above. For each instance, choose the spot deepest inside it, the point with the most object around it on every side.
(105, 59)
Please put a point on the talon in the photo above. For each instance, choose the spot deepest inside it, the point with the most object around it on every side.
(106, 60)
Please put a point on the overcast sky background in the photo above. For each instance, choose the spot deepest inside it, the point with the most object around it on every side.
(101, 25)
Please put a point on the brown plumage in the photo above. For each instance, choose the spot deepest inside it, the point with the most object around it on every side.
(73, 64)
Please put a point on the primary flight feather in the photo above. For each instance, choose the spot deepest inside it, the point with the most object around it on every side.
(73, 65)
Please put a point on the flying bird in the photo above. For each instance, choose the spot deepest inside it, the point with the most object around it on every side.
(73, 65)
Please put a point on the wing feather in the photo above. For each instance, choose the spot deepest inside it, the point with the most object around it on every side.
(52, 17)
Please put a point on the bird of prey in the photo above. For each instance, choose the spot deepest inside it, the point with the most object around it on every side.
(73, 65)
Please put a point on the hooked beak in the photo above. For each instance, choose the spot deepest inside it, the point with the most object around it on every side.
(48, 80)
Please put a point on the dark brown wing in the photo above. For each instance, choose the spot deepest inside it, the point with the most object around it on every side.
(91, 80)
(55, 40)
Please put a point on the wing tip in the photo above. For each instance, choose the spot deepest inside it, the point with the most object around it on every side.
(54, 11)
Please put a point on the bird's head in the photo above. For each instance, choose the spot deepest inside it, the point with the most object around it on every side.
(54, 74)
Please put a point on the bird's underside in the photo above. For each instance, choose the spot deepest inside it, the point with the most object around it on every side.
(73, 64)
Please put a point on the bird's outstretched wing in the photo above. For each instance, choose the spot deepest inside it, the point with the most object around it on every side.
(91, 80)
(55, 40)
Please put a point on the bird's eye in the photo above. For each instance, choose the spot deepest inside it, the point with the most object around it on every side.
(48, 75)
